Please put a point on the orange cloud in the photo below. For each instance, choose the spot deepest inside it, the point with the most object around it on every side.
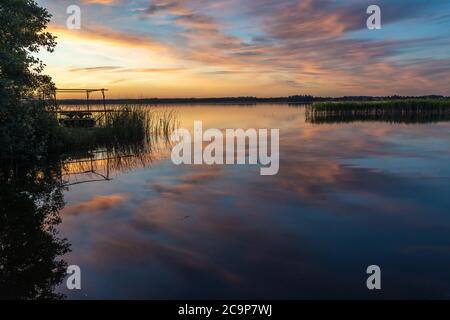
(100, 34)
(98, 1)
(303, 48)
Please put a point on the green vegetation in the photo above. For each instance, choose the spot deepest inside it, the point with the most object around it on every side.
(27, 131)
(398, 111)
(31, 193)
(410, 105)
(128, 125)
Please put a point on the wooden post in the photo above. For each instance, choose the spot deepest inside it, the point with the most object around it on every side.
(104, 107)
(55, 101)
(87, 100)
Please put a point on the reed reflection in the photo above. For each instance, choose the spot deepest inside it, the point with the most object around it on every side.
(105, 163)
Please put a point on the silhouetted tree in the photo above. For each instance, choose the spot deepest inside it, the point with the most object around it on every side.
(26, 130)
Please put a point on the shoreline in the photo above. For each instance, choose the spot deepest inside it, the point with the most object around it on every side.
(250, 100)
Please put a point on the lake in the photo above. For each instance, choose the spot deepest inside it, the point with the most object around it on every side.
(347, 196)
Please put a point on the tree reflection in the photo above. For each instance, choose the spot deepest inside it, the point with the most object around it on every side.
(30, 250)
(31, 197)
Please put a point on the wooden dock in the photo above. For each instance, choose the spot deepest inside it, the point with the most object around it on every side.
(83, 118)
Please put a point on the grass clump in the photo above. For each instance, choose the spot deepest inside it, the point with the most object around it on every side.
(396, 111)
(128, 125)
(407, 105)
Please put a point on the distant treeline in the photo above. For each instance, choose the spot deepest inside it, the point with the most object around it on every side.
(245, 100)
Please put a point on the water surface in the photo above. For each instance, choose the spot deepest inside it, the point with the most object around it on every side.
(348, 195)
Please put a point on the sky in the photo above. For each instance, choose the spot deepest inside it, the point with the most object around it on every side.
(217, 48)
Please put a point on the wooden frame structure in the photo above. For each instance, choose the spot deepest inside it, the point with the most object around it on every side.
(81, 118)
(90, 161)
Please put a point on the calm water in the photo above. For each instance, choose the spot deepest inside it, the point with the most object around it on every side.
(347, 196)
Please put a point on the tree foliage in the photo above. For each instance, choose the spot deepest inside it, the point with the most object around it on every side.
(26, 129)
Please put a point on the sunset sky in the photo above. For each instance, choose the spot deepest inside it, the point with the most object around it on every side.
(211, 48)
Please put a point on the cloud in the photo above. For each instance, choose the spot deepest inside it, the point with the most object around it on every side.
(93, 69)
(99, 1)
(318, 47)
(102, 34)
(157, 7)
(125, 69)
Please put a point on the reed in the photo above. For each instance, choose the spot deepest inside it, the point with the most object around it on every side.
(407, 105)
(399, 111)
(129, 125)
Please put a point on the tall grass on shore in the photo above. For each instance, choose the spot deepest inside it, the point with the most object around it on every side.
(395, 111)
(128, 125)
